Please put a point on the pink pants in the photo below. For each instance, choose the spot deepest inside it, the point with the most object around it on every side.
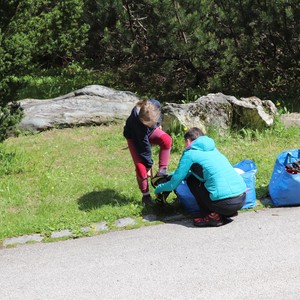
(164, 141)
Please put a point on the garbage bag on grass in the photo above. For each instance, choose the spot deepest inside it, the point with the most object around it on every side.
(247, 169)
(187, 199)
(284, 186)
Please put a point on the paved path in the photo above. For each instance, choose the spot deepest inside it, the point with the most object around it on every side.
(257, 256)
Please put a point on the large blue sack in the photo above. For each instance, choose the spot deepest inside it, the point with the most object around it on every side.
(249, 175)
(187, 199)
(284, 187)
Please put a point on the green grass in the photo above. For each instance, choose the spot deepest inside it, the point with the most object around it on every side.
(69, 178)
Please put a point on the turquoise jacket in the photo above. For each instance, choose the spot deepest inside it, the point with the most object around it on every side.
(219, 177)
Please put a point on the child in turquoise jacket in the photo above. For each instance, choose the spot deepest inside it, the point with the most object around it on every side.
(219, 190)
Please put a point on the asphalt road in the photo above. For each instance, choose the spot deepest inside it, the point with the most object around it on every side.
(257, 256)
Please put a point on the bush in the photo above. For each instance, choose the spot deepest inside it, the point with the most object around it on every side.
(10, 116)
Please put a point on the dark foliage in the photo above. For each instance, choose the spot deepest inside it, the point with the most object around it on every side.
(173, 50)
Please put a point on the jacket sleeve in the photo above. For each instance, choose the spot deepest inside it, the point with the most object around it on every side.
(182, 171)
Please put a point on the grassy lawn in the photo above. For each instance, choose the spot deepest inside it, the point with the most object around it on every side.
(69, 178)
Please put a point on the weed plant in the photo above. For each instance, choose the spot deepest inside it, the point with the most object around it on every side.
(69, 178)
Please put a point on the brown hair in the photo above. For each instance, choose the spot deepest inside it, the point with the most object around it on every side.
(193, 133)
(149, 113)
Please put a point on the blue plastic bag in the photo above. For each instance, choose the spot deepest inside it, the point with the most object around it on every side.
(249, 168)
(284, 188)
(187, 199)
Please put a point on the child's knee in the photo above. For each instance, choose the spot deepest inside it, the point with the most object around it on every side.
(166, 141)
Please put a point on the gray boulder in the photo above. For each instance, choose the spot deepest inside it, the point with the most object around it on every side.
(253, 112)
(98, 105)
(221, 112)
(93, 104)
(292, 119)
(212, 110)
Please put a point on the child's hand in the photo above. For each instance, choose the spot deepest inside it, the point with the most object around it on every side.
(149, 172)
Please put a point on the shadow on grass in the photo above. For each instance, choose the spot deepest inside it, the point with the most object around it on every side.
(262, 193)
(97, 199)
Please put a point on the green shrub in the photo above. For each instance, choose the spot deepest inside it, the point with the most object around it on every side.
(10, 116)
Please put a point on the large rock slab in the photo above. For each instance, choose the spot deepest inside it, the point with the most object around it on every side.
(292, 119)
(253, 113)
(212, 111)
(221, 112)
(96, 105)
(93, 104)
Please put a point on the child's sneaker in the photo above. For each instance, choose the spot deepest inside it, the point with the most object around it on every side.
(147, 201)
(212, 220)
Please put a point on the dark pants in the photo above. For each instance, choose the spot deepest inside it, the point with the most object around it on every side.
(226, 207)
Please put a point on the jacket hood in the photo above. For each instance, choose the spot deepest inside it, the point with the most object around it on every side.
(203, 143)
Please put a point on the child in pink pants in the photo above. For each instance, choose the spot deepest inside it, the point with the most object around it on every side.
(142, 130)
